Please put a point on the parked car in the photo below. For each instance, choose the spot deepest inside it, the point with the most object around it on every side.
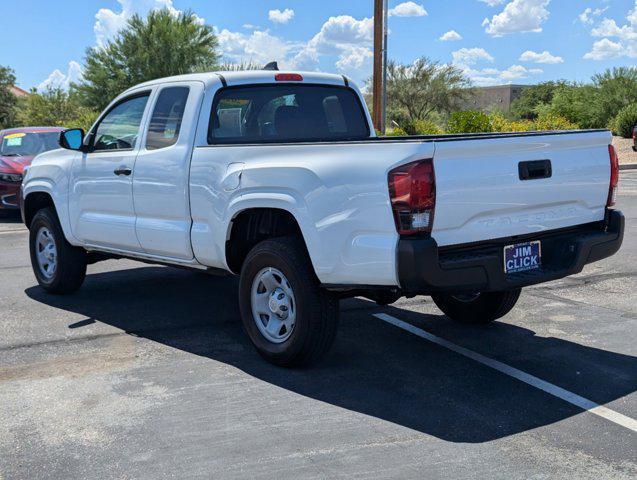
(18, 147)
(279, 178)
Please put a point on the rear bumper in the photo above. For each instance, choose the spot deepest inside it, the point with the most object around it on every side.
(424, 268)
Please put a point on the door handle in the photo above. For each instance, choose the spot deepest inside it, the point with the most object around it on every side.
(535, 170)
(122, 171)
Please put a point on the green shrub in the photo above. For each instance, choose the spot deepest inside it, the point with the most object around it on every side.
(421, 127)
(579, 104)
(551, 121)
(396, 132)
(625, 121)
(470, 121)
(500, 124)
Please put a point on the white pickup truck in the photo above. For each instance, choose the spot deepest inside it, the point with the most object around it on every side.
(279, 177)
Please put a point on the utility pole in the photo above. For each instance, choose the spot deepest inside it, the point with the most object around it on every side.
(380, 64)
(383, 124)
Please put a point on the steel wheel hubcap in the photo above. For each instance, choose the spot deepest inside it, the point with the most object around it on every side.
(273, 305)
(46, 252)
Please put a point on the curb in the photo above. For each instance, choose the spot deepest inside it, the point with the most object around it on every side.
(628, 166)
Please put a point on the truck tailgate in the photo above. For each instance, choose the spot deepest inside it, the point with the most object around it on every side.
(480, 193)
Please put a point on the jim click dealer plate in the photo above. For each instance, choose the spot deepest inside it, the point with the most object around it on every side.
(522, 257)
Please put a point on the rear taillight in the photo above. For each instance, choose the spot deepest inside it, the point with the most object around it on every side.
(614, 176)
(412, 190)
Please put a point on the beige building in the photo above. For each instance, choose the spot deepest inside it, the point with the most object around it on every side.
(494, 98)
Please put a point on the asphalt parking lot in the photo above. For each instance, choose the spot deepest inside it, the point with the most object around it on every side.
(145, 373)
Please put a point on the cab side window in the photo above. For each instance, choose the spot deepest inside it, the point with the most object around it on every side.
(119, 129)
(168, 114)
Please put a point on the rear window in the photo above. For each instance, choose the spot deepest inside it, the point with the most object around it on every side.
(286, 113)
(165, 123)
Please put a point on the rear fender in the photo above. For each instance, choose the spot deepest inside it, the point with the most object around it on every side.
(287, 201)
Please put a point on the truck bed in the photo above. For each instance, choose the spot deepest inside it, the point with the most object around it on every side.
(485, 136)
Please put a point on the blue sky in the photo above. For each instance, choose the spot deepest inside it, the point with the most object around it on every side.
(494, 41)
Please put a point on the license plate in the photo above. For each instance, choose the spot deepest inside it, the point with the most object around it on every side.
(522, 257)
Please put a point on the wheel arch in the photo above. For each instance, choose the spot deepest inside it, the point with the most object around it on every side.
(41, 195)
(35, 201)
(252, 225)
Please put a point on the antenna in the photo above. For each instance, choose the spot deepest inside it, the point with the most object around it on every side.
(271, 66)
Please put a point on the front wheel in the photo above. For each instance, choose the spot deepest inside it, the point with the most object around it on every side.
(477, 308)
(59, 267)
(290, 320)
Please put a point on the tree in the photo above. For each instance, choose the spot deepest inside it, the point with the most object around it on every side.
(7, 98)
(55, 107)
(578, 104)
(415, 92)
(161, 45)
(534, 96)
(617, 90)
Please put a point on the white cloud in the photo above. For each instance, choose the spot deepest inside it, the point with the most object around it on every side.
(518, 16)
(57, 79)
(108, 23)
(343, 36)
(345, 40)
(408, 9)
(466, 57)
(450, 36)
(493, 76)
(517, 72)
(544, 57)
(355, 58)
(586, 17)
(278, 16)
(605, 49)
(624, 43)
(493, 3)
(258, 46)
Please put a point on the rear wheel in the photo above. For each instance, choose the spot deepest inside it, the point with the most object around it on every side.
(477, 308)
(290, 320)
(59, 267)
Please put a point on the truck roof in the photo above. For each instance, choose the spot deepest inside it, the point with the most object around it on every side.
(248, 76)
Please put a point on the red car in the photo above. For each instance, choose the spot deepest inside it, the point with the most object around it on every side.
(18, 147)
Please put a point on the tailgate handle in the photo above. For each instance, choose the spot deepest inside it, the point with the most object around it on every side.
(535, 170)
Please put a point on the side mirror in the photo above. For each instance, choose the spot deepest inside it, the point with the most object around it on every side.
(72, 139)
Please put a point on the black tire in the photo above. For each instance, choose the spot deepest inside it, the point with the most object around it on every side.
(70, 270)
(316, 310)
(480, 310)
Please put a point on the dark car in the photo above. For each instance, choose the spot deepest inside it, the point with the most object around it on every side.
(18, 147)
(635, 139)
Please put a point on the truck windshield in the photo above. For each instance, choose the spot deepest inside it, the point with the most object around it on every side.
(28, 144)
(286, 113)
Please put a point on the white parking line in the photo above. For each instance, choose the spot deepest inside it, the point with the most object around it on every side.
(547, 387)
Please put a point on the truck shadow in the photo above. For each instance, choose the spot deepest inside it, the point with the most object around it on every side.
(374, 368)
(10, 217)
